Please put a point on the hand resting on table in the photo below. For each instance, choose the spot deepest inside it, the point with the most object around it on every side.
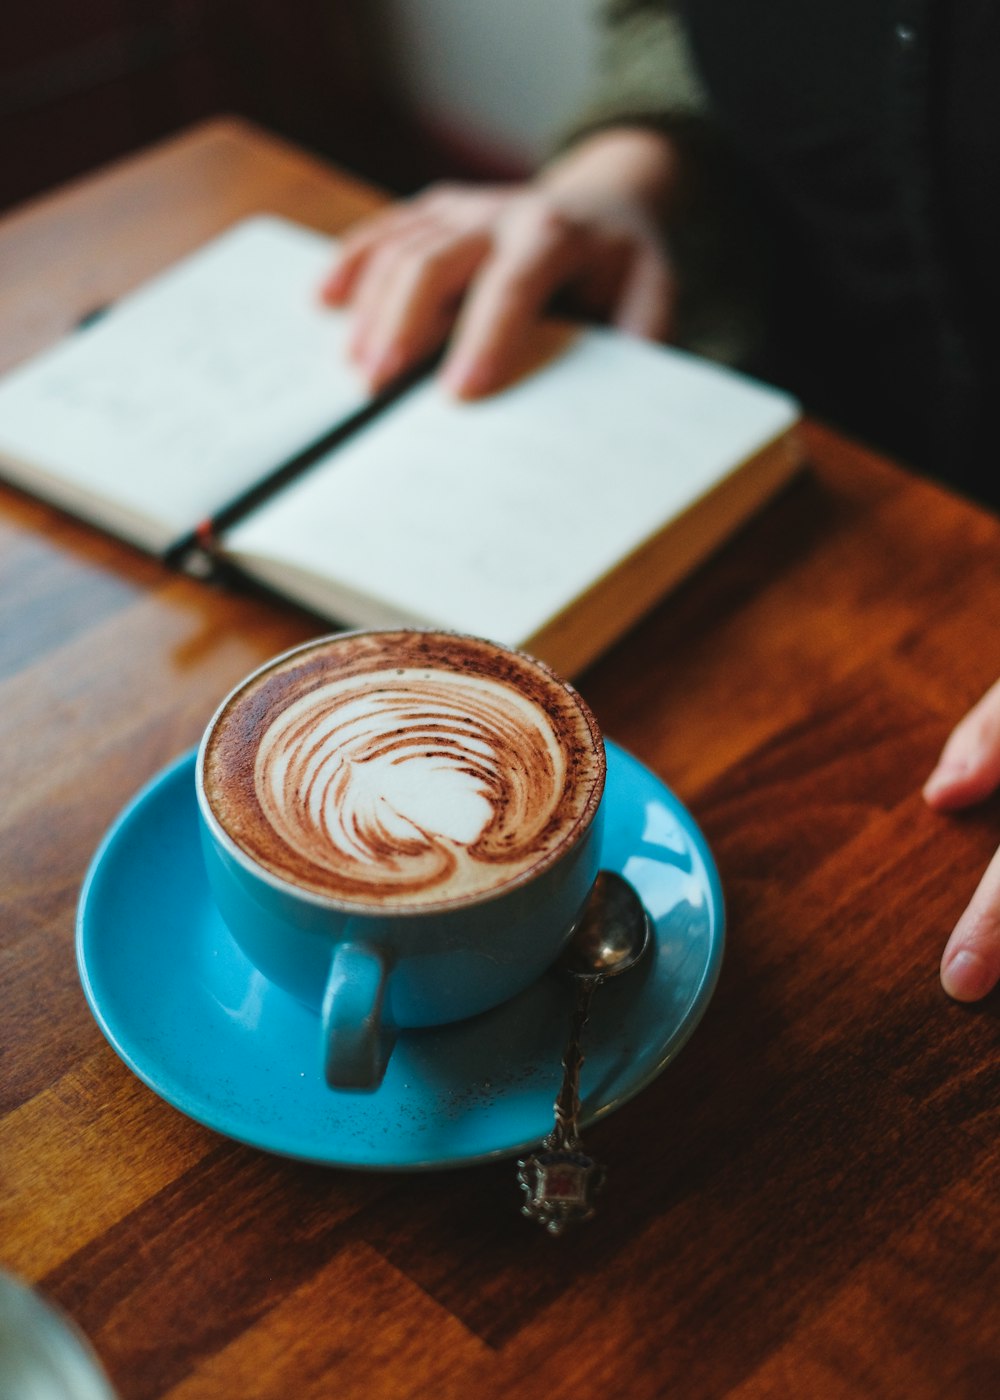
(967, 772)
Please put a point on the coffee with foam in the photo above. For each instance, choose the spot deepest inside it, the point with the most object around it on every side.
(403, 769)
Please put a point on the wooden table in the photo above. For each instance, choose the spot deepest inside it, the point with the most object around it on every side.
(805, 1204)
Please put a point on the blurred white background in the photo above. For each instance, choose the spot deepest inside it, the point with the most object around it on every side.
(498, 76)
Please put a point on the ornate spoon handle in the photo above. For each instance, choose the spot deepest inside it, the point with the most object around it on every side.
(566, 1133)
(560, 1181)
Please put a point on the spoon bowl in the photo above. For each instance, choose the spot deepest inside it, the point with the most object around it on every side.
(611, 935)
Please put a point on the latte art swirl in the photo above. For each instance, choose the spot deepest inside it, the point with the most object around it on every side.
(409, 777)
(386, 782)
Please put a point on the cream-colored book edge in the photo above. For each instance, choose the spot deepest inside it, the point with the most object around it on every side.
(616, 602)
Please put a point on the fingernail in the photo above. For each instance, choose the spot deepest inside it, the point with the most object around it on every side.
(381, 369)
(945, 776)
(467, 379)
(967, 976)
(330, 290)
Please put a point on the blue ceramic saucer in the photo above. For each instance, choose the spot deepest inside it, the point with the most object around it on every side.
(197, 1023)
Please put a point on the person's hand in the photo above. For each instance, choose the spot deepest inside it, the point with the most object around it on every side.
(480, 264)
(969, 771)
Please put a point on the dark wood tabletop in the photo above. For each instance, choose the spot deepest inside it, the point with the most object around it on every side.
(806, 1203)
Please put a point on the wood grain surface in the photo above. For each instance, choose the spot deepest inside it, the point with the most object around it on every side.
(805, 1204)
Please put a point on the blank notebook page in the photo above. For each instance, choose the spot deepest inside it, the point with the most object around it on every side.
(189, 390)
(492, 515)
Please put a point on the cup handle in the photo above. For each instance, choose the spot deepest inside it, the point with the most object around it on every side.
(357, 1040)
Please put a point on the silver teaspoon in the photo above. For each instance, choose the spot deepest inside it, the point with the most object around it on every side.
(560, 1181)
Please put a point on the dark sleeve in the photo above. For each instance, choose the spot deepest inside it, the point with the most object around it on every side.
(645, 75)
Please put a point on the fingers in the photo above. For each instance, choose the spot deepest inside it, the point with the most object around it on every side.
(486, 261)
(360, 243)
(970, 965)
(969, 767)
(968, 771)
(406, 298)
(404, 272)
(536, 251)
(647, 303)
(540, 250)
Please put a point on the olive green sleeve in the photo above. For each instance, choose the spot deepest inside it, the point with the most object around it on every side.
(646, 75)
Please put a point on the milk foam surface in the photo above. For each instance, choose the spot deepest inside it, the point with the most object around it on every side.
(413, 769)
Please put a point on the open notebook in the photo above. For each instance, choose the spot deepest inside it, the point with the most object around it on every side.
(548, 516)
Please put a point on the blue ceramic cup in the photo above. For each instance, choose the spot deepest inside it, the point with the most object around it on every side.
(371, 969)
